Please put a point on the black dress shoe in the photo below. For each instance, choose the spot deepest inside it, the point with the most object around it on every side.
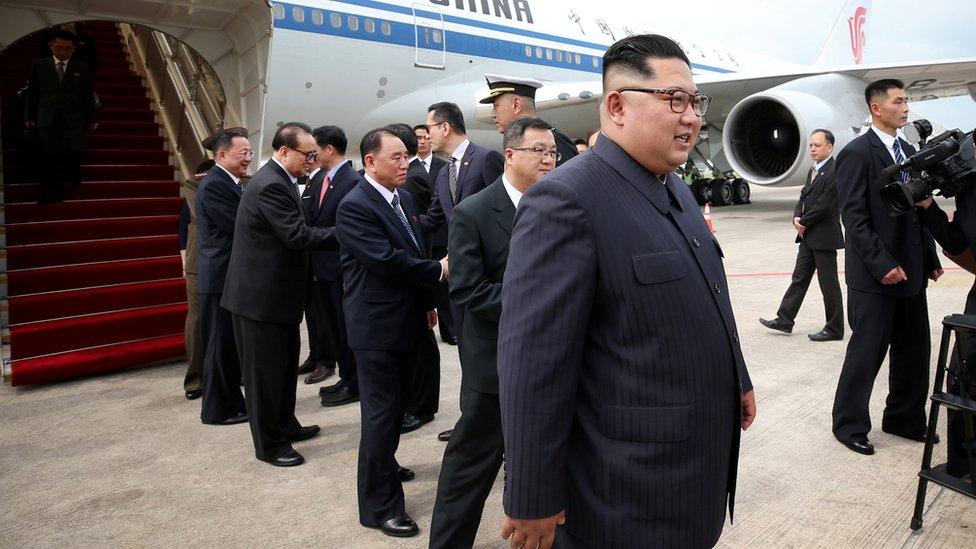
(920, 437)
(290, 458)
(193, 394)
(340, 397)
(445, 436)
(777, 324)
(335, 387)
(305, 433)
(321, 373)
(307, 367)
(824, 335)
(406, 475)
(452, 341)
(241, 417)
(861, 446)
(410, 423)
(400, 527)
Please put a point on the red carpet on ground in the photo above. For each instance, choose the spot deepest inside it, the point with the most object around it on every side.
(94, 284)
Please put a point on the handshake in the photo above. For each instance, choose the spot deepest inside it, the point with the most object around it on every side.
(444, 268)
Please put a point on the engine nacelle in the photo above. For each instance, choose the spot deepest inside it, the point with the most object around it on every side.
(765, 136)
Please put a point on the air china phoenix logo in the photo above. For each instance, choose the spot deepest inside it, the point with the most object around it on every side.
(856, 26)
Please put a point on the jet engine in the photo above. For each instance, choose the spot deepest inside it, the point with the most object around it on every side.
(766, 135)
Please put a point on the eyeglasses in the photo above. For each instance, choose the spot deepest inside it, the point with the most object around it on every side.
(539, 150)
(434, 125)
(680, 99)
(247, 154)
(309, 155)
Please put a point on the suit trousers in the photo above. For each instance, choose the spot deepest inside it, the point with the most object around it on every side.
(222, 397)
(269, 354)
(898, 326)
(471, 462)
(825, 263)
(330, 294)
(385, 381)
(64, 148)
(442, 300)
(426, 396)
(321, 325)
(191, 336)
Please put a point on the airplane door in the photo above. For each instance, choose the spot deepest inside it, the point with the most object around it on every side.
(430, 50)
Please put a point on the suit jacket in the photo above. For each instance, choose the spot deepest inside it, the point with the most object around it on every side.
(479, 167)
(565, 146)
(437, 239)
(325, 263)
(620, 371)
(268, 268)
(420, 185)
(817, 210)
(480, 232)
(387, 277)
(216, 207)
(957, 235)
(72, 97)
(876, 242)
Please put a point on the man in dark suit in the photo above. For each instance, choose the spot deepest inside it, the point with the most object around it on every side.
(512, 97)
(265, 292)
(388, 308)
(817, 224)
(438, 239)
(480, 233)
(61, 105)
(327, 187)
(217, 198)
(622, 384)
(887, 263)
(426, 392)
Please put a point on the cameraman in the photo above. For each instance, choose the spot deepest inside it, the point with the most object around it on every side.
(955, 236)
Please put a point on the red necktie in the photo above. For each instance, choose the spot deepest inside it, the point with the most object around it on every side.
(325, 187)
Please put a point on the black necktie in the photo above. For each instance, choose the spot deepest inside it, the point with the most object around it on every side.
(403, 219)
(60, 71)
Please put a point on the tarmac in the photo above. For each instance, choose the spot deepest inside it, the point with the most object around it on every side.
(122, 460)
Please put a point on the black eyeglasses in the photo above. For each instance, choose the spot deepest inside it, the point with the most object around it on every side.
(556, 155)
(309, 155)
(434, 125)
(680, 99)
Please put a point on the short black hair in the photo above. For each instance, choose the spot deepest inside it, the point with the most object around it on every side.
(225, 140)
(421, 127)
(406, 134)
(373, 141)
(881, 87)
(579, 141)
(331, 135)
(62, 34)
(287, 135)
(828, 135)
(631, 54)
(445, 111)
(516, 130)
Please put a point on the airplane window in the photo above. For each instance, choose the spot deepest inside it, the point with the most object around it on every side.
(298, 14)
(353, 23)
(317, 17)
(437, 36)
(569, 57)
(578, 59)
(370, 26)
(279, 12)
(335, 20)
(595, 62)
(385, 28)
(548, 54)
(528, 51)
(538, 52)
(559, 56)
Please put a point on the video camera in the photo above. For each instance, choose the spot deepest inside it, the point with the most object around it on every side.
(946, 166)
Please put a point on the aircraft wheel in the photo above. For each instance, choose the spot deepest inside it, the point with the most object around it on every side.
(704, 192)
(740, 191)
(721, 192)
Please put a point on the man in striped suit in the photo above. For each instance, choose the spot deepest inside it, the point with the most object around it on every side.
(622, 385)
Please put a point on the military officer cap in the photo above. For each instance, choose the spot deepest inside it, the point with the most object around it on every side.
(208, 142)
(500, 85)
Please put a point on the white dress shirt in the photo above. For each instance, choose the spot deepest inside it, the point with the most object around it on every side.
(513, 193)
(889, 142)
(237, 180)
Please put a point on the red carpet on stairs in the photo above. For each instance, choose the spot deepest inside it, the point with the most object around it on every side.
(94, 284)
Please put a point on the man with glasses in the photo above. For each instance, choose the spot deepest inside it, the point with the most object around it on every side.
(265, 292)
(480, 233)
(470, 168)
(511, 98)
(216, 207)
(622, 385)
